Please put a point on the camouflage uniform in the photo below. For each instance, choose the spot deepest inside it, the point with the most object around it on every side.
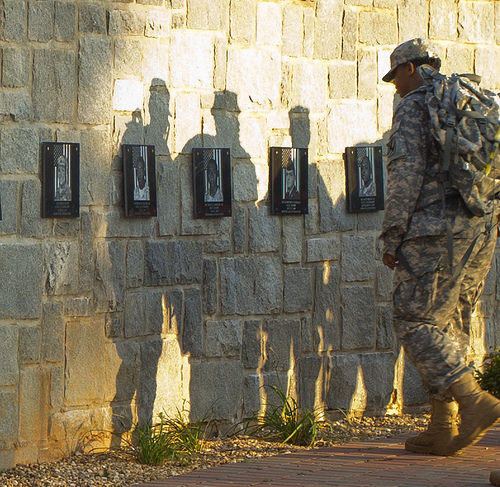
(429, 295)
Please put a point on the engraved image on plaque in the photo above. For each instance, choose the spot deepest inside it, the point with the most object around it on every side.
(139, 180)
(60, 179)
(364, 179)
(212, 182)
(288, 181)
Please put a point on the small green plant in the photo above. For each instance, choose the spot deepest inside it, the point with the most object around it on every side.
(489, 379)
(287, 422)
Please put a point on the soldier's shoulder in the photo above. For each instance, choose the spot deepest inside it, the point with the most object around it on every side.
(413, 104)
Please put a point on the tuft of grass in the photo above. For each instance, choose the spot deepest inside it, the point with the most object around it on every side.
(489, 378)
(287, 422)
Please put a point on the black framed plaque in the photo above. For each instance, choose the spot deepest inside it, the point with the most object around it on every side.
(212, 183)
(60, 179)
(364, 179)
(139, 180)
(288, 180)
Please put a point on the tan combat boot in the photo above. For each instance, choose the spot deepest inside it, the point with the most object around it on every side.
(478, 411)
(443, 425)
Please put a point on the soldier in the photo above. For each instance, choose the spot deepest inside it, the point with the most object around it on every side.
(441, 254)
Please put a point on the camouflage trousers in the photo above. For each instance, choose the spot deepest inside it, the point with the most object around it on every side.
(433, 303)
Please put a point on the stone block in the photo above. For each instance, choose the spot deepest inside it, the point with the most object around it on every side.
(385, 109)
(298, 290)
(157, 131)
(110, 275)
(313, 381)
(239, 229)
(345, 388)
(264, 230)
(9, 368)
(293, 230)
(328, 29)
(143, 313)
(309, 21)
(128, 56)
(41, 20)
(475, 21)
(378, 378)
(367, 74)
(312, 220)
(358, 317)
(484, 59)
(209, 287)
(413, 391)
(34, 403)
(379, 27)
(251, 285)
(53, 101)
(156, 65)
(158, 23)
(384, 282)
(358, 258)
(64, 21)
(220, 67)
(15, 67)
(459, 59)
(126, 22)
(191, 61)
(253, 344)
(243, 20)
(92, 18)
(95, 81)
(9, 417)
(218, 244)
(15, 106)
(135, 263)
(173, 262)
(340, 79)
(223, 338)
(490, 280)
(251, 394)
(326, 313)
(293, 31)
(413, 18)
(78, 306)
(443, 19)
(112, 224)
(13, 26)
(269, 23)
(168, 201)
(348, 114)
(497, 22)
(331, 197)
(385, 333)
(187, 122)
(323, 249)
(192, 327)
(207, 15)
(262, 90)
(20, 150)
(128, 95)
(52, 332)
(21, 288)
(87, 261)
(252, 139)
(309, 85)
(9, 193)
(216, 389)
(61, 267)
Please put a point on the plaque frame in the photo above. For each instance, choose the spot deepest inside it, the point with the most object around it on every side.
(139, 180)
(60, 179)
(363, 197)
(289, 166)
(212, 199)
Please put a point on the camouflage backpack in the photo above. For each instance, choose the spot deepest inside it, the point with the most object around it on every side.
(465, 123)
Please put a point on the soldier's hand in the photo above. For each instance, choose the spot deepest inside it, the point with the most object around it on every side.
(390, 261)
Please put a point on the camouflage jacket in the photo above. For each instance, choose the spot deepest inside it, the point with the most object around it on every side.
(413, 206)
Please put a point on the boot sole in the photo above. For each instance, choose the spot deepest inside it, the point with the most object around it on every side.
(418, 448)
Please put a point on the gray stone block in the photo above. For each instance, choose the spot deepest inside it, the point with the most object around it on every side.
(15, 67)
(61, 267)
(209, 287)
(251, 395)
(385, 333)
(53, 100)
(148, 378)
(298, 292)
(219, 244)
(9, 416)
(173, 262)
(92, 18)
(41, 20)
(126, 22)
(32, 225)
(13, 26)
(110, 275)
(64, 21)
(9, 194)
(223, 338)
(358, 317)
(244, 181)
(204, 14)
(370, 221)
(313, 381)
(216, 389)
(94, 106)
(86, 256)
(78, 306)
(251, 285)
(283, 345)
(168, 201)
(384, 282)
(9, 372)
(143, 313)
(128, 57)
(112, 224)
(115, 325)
(21, 287)
(52, 332)
(252, 341)
(378, 377)
(66, 228)
(328, 29)
(239, 229)
(20, 150)
(322, 249)
(312, 220)
(56, 386)
(326, 314)
(192, 326)
(293, 230)
(135, 263)
(358, 258)
(158, 129)
(413, 392)
(15, 106)
(264, 230)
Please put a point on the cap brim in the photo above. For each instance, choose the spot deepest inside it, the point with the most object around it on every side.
(389, 76)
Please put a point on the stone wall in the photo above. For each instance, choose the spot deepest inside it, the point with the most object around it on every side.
(104, 319)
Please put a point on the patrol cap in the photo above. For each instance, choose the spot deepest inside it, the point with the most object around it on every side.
(409, 51)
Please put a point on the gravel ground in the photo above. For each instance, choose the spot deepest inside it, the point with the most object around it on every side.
(118, 469)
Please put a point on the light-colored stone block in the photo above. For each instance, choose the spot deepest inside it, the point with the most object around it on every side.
(34, 403)
(385, 107)
(187, 122)
(485, 58)
(443, 17)
(342, 79)
(243, 18)
(9, 418)
(459, 59)
(252, 137)
(309, 85)
(61, 267)
(328, 29)
(475, 21)
(128, 56)
(413, 18)
(367, 74)
(158, 23)
(269, 23)
(207, 15)
(128, 95)
(293, 30)
(378, 27)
